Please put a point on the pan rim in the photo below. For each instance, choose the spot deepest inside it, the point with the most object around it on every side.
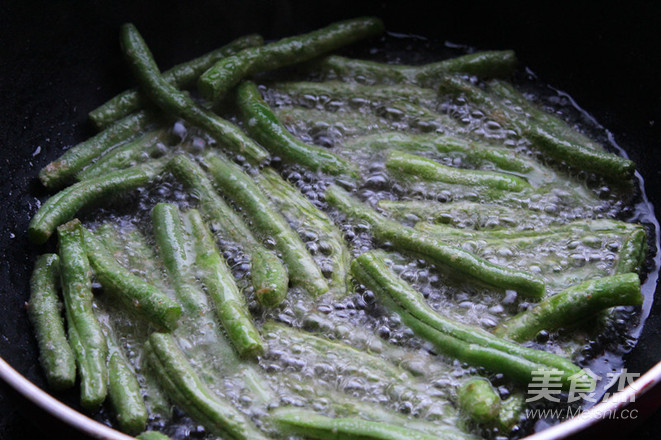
(616, 403)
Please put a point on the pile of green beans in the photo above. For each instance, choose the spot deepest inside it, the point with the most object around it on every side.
(259, 246)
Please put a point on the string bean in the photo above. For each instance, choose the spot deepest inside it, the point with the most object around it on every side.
(55, 355)
(227, 73)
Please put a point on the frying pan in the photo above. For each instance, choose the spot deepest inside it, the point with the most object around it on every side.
(60, 59)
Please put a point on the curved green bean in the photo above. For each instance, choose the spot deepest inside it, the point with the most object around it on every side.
(573, 154)
(171, 240)
(228, 72)
(64, 205)
(173, 101)
(85, 334)
(572, 306)
(181, 76)
(264, 126)
(411, 240)
(55, 354)
(240, 187)
(559, 127)
(468, 344)
(474, 151)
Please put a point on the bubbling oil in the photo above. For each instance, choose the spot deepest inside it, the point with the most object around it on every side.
(421, 383)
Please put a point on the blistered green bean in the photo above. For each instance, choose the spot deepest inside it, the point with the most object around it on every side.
(428, 169)
(408, 239)
(85, 334)
(181, 76)
(269, 276)
(305, 216)
(228, 72)
(129, 154)
(241, 188)
(173, 101)
(55, 354)
(229, 302)
(137, 295)
(573, 305)
(64, 205)
(262, 124)
(62, 170)
(468, 344)
(187, 390)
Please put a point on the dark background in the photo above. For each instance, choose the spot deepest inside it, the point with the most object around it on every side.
(60, 59)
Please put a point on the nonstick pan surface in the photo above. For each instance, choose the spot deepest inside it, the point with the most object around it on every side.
(60, 59)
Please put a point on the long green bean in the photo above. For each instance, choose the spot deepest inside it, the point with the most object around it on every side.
(238, 186)
(130, 248)
(187, 390)
(305, 216)
(62, 170)
(172, 240)
(475, 152)
(484, 64)
(64, 205)
(264, 126)
(427, 169)
(129, 154)
(408, 239)
(181, 76)
(55, 354)
(585, 227)
(228, 72)
(573, 154)
(231, 307)
(137, 295)
(85, 334)
(173, 101)
(269, 277)
(471, 345)
(507, 91)
(312, 425)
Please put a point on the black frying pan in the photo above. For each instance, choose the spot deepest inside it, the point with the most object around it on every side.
(60, 59)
